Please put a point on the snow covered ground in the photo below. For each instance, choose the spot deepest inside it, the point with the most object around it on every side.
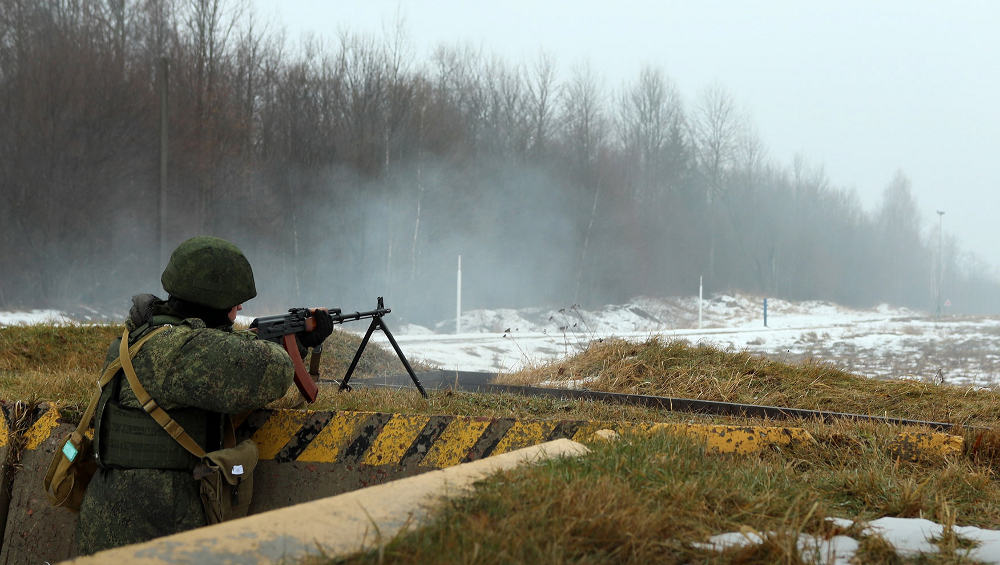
(910, 537)
(882, 342)
(33, 317)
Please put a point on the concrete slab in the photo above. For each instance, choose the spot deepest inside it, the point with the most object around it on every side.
(8, 462)
(331, 527)
(912, 446)
(37, 532)
(278, 485)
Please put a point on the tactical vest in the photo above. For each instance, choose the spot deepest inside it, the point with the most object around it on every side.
(128, 438)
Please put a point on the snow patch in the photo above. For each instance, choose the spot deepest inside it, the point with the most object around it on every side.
(911, 537)
(33, 317)
(880, 342)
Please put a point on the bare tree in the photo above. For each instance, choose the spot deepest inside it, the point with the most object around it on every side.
(540, 107)
(649, 119)
(585, 129)
(715, 128)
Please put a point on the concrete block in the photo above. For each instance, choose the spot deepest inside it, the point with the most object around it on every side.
(36, 531)
(912, 446)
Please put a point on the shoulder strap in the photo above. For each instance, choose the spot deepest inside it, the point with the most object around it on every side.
(109, 373)
(149, 405)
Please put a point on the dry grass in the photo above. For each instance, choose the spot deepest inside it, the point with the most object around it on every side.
(644, 500)
(53, 363)
(61, 363)
(676, 368)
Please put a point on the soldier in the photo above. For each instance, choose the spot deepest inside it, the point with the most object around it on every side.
(200, 371)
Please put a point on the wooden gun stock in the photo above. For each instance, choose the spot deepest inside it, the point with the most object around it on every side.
(303, 381)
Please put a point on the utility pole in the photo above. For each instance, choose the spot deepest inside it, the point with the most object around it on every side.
(458, 299)
(161, 203)
(940, 260)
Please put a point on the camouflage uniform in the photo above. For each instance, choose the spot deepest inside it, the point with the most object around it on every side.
(188, 366)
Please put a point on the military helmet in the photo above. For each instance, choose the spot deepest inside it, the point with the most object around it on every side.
(209, 271)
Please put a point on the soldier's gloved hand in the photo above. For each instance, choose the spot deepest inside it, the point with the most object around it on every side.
(323, 329)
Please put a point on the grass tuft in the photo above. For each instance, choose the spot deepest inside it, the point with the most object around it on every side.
(677, 368)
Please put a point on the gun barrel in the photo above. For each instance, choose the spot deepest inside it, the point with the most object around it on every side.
(341, 318)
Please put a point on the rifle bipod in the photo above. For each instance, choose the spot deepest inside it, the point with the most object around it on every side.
(379, 324)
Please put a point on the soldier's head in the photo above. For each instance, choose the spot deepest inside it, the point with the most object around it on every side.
(209, 272)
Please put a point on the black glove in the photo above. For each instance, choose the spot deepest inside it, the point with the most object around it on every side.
(323, 329)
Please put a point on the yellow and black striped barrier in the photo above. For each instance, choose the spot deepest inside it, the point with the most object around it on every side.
(434, 442)
(438, 441)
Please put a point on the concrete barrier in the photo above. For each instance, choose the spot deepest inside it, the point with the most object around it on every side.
(35, 530)
(912, 446)
(8, 464)
(309, 455)
(305, 455)
(330, 527)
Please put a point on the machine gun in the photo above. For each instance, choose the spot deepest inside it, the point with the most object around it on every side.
(282, 328)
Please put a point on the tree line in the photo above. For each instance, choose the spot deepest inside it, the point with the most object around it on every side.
(350, 168)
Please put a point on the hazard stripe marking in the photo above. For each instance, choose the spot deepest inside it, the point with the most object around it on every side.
(425, 439)
(369, 431)
(253, 422)
(728, 439)
(488, 441)
(586, 431)
(911, 445)
(4, 427)
(396, 438)
(337, 434)
(455, 442)
(428, 441)
(564, 429)
(277, 430)
(42, 428)
(523, 434)
(308, 431)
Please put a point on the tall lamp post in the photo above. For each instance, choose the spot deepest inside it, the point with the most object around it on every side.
(940, 260)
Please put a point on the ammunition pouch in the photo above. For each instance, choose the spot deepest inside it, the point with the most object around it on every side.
(226, 481)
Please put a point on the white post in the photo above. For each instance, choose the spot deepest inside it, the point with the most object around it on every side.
(458, 299)
(699, 301)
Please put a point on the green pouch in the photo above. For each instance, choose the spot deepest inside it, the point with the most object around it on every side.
(226, 481)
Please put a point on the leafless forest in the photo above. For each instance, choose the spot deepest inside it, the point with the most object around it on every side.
(353, 168)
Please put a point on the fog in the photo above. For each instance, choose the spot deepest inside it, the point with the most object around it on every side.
(512, 228)
(363, 163)
(863, 88)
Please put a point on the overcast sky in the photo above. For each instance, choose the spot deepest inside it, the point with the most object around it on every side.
(861, 88)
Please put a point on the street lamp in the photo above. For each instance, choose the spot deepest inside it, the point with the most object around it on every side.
(940, 259)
